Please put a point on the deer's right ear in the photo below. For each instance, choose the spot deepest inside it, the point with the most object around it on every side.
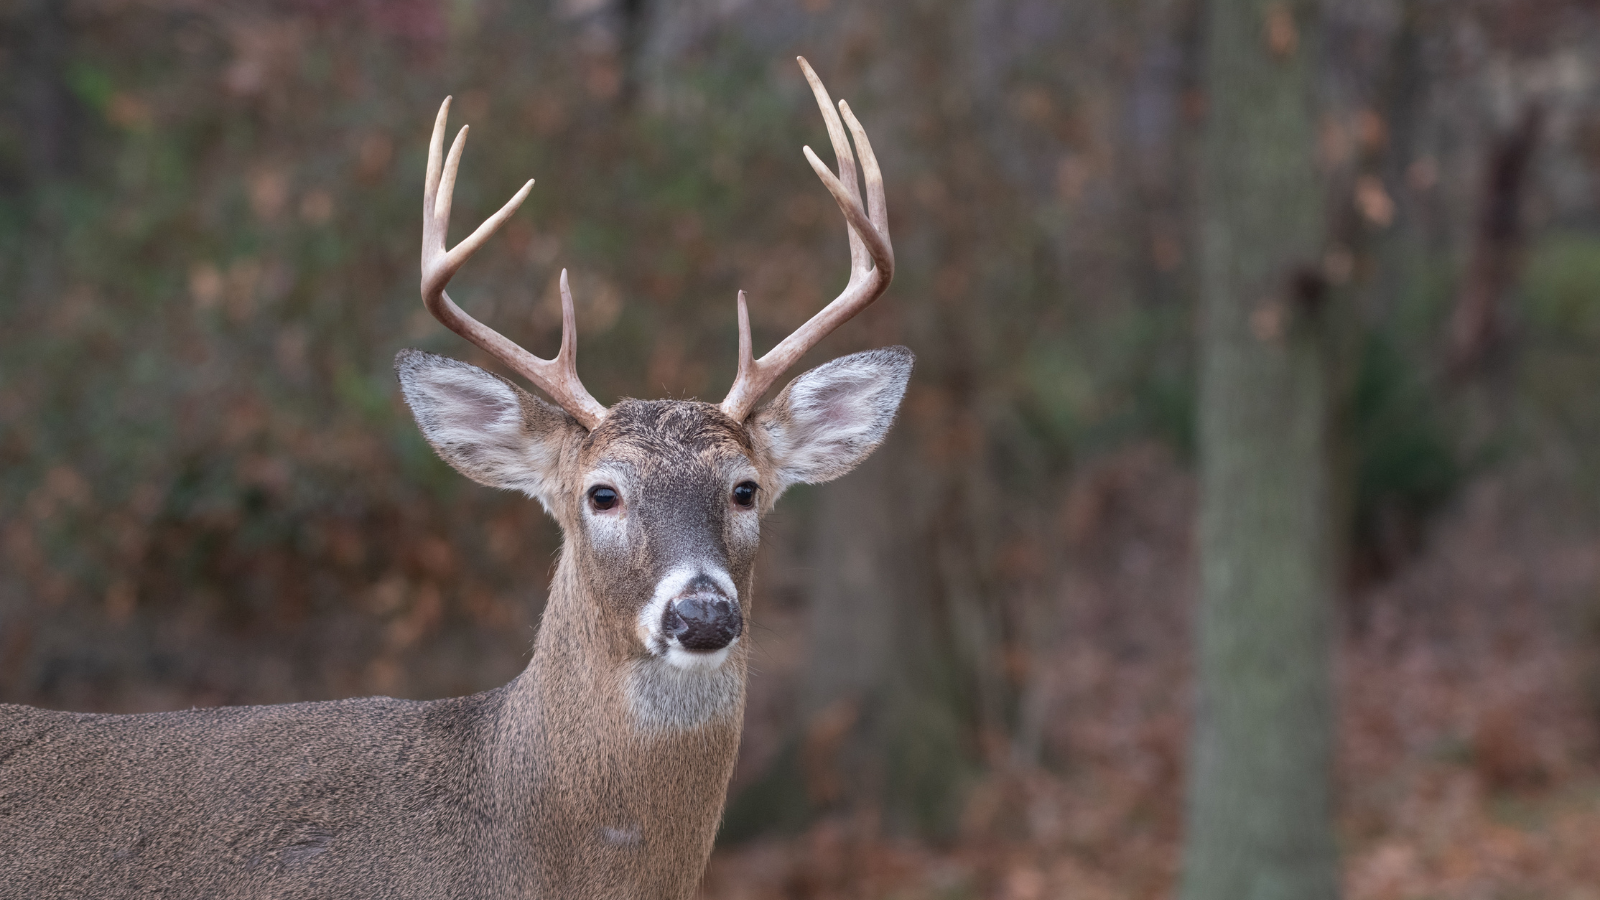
(485, 427)
(826, 421)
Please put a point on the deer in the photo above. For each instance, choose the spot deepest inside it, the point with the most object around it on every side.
(602, 769)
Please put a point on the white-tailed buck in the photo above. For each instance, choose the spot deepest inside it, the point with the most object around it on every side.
(601, 770)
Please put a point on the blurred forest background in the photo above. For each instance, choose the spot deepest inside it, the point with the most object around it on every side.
(973, 657)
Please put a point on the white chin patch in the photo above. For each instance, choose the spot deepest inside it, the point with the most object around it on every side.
(697, 660)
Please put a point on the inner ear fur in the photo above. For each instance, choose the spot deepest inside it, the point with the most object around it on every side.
(485, 427)
(827, 420)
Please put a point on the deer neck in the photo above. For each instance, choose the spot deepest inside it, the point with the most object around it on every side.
(625, 757)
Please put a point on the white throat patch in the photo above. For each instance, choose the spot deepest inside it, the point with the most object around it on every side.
(664, 697)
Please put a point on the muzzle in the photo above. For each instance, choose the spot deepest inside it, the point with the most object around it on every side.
(702, 622)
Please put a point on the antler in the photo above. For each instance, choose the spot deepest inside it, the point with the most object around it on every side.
(557, 377)
(871, 258)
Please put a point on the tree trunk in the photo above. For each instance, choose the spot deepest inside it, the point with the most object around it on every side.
(1259, 807)
(47, 105)
(1476, 329)
(888, 703)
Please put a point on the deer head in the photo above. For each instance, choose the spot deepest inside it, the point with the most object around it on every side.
(660, 501)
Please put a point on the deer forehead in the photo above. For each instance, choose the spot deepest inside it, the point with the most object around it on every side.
(664, 440)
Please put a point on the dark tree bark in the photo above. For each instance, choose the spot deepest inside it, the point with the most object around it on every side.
(1259, 805)
(890, 695)
(1476, 326)
(49, 112)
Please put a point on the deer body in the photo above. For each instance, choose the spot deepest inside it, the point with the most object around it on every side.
(350, 798)
(359, 799)
(601, 770)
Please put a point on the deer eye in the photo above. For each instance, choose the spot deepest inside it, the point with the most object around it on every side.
(745, 494)
(603, 497)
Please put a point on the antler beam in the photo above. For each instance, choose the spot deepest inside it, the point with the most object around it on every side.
(557, 377)
(871, 257)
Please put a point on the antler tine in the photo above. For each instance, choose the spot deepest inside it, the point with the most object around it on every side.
(841, 152)
(877, 205)
(557, 377)
(871, 257)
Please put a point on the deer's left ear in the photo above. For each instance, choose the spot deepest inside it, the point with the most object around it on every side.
(485, 427)
(827, 420)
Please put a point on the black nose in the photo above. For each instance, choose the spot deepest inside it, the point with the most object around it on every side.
(702, 623)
